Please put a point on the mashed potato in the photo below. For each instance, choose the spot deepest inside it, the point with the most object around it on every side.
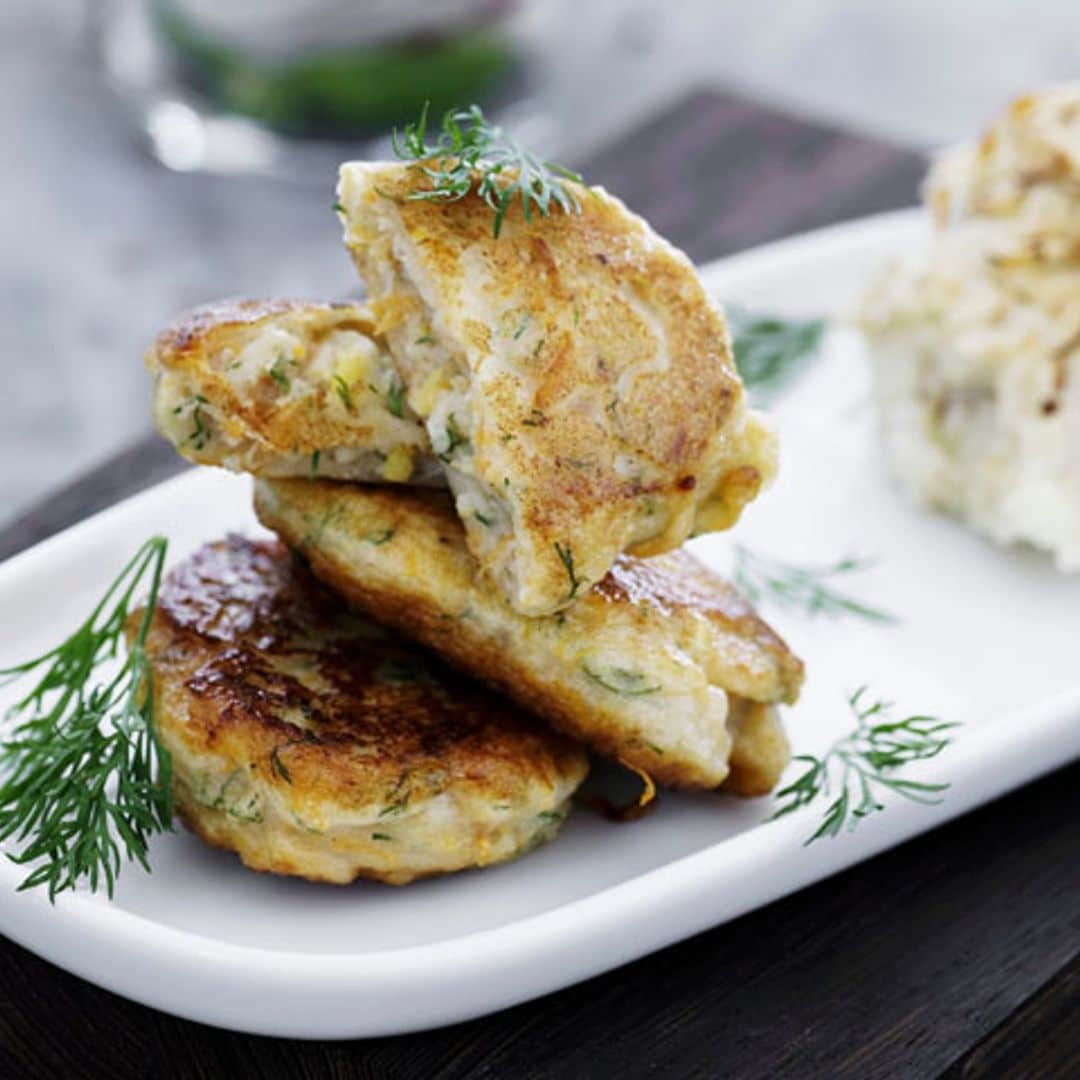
(976, 339)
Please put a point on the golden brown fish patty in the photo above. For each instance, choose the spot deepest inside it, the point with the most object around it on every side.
(287, 388)
(315, 743)
(647, 667)
(574, 376)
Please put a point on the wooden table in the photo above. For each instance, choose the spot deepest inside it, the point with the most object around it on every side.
(957, 954)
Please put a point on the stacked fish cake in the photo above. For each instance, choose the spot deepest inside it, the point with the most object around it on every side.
(496, 463)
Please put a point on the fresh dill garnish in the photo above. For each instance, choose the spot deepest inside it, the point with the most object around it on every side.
(84, 782)
(770, 350)
(277, 373)
(200, 431)
(337, 207)
(395, 400)
(482, 519)
(472, 153)
(620, 680)
(380, 536)
(315, 455)
(341, 388)
(863, 762)
(424, 339)
(522, 325)
(566, 557)
(381, 836)
(805, 588)
(454, 438)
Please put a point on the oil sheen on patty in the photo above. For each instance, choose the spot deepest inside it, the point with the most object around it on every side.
(662, 664)
(314, 743)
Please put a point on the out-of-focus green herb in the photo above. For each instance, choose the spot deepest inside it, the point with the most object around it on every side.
(770, 350)
(805, 588)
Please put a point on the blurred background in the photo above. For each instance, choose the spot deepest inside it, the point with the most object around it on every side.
(166, 152)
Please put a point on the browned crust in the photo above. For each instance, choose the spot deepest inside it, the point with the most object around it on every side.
(192, 344)
(678, 581)
(583, 278)
(426, 521)
(186, 336)
(256, 663)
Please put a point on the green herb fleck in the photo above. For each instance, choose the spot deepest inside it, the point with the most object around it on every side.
(314, 536)
(566, 557)
(380, 536)
(425, 339)
(279, 765)
(454, 438)
(536, 418)
(341, 387)
(551, 816)
(482, 519)
(623, 681)
(200, 432)
(381, 836)
(277, 373)
(315, 455)
(398, 797)
(863, 761)
(337, 207)
(395, 400)
(522, 325)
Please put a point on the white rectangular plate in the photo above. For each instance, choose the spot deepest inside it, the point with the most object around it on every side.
(987, 637)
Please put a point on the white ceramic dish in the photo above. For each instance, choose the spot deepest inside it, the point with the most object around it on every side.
(987, 638)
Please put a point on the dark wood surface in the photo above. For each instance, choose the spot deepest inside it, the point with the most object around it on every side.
(958, 954)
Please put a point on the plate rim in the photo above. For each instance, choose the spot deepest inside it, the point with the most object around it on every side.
(273, 991)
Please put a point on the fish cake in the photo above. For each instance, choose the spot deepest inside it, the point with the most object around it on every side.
(646, 667)
(287, 388)
(575, 378)
(314, 743)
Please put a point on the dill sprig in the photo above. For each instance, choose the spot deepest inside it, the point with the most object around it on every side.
(770, 350)
(471, 152)
(82, 774)
(806, 588)
(864, 762)
(566, 557)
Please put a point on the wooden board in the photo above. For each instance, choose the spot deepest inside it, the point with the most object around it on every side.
(959, 953)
